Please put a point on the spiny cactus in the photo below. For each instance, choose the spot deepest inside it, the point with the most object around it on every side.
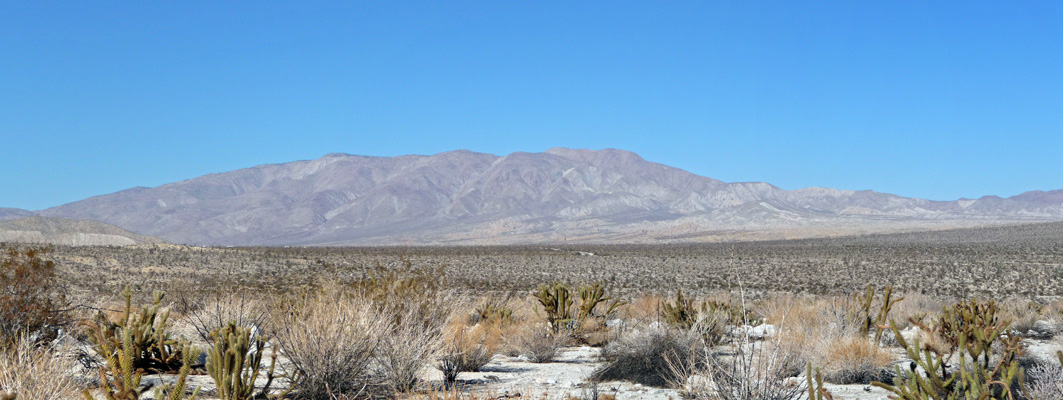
(177, 391)
(557, 305)
(494, 311)
(234, 363)
(816, 391)
(590, 297)
(878, 322)
(682, 313)
(972, 381)
(139, 341)
(150, 345)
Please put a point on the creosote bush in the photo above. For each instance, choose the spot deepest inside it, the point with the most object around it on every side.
(31, 303)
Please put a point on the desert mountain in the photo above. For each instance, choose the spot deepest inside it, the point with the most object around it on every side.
(13, 213)
(68, 232)
(560, 195)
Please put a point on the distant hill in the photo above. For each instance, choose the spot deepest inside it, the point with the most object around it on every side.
(69, 232)
(561, 195)
(13, 213)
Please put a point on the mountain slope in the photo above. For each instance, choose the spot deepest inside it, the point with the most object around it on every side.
(67, 232)
(13, 213)
(466, 197)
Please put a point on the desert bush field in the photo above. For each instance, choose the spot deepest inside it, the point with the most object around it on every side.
(970, 314)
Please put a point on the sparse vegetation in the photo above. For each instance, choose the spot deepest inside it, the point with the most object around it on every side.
(358, 323)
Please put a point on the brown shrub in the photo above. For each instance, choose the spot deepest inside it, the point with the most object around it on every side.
(468, 348)
(30, 301)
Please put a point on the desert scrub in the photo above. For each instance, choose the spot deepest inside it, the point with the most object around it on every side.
(31, 303)
(535, 341)
(216, 309)
(469, 348)
(37, 372)
(1046, 380)
(643, 356)
(329, 338)
(855, 360)
(412, 305)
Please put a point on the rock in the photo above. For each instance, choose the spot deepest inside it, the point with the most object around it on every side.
(756, 332)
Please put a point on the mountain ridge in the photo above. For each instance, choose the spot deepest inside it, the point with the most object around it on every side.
(465, 197)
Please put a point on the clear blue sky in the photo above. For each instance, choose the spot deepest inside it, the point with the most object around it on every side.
(938, 100)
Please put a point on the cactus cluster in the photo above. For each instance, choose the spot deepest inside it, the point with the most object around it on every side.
(234, 362)
(150, 345)
(138, 344)
(970, 327)
(683, 313)
(864, 311)
(557, 302)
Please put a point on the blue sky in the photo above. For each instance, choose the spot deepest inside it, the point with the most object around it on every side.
(938, 100)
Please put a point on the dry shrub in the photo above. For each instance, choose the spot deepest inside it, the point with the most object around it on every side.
(914, 305)
(37, 373)
(854, 360)
(642, 356)
(31, 303)
(748, 370)
(329, 339)
(409, 343)
(412, 305)
(535, 341)
(220, 308)
(1046, 381)
(469, 348)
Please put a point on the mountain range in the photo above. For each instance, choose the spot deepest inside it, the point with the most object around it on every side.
(561, 195)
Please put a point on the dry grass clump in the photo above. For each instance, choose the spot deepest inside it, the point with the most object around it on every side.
(409, 343)
(39, 373)
(854, 360)
(329, 339)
